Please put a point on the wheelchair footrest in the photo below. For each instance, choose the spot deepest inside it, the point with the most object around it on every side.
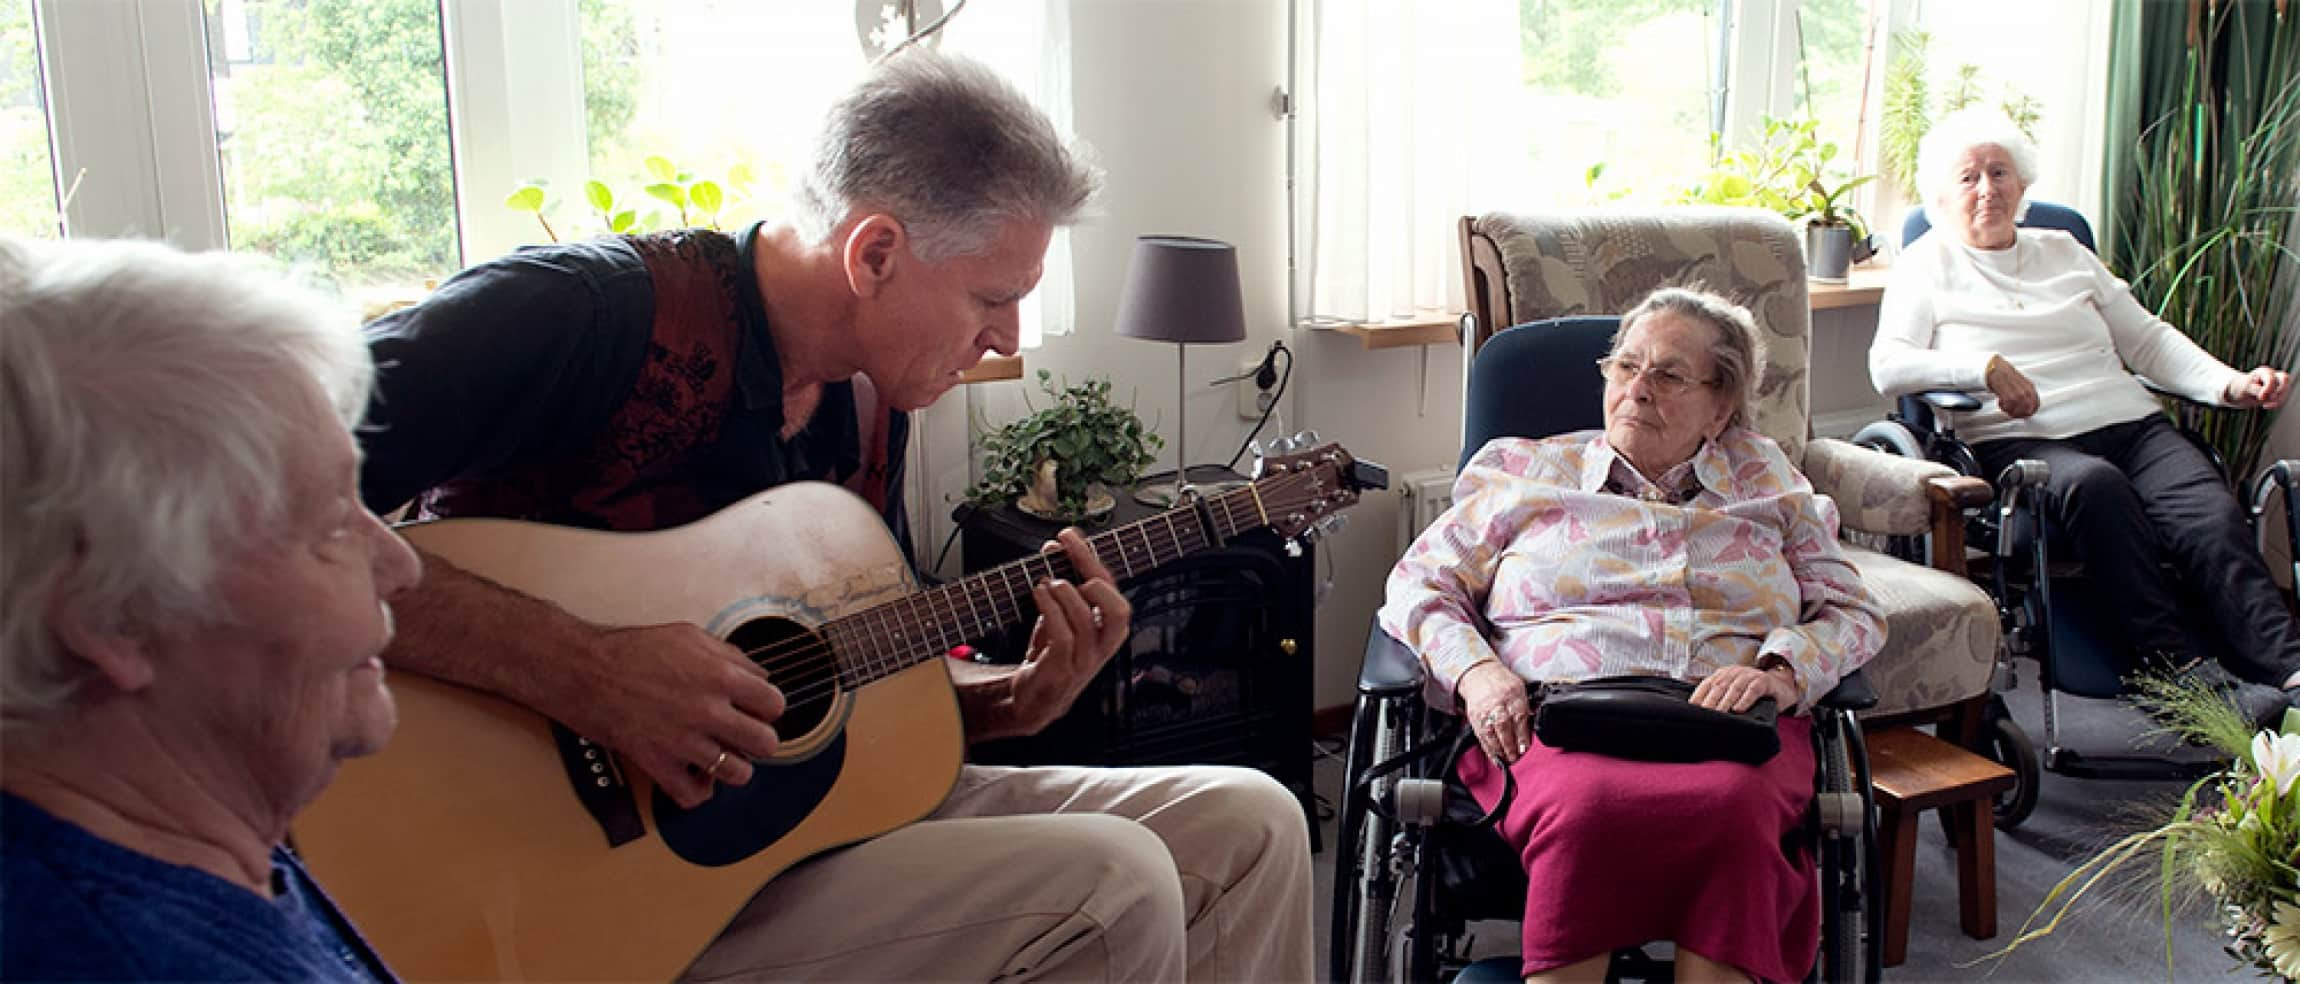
(2069, 762)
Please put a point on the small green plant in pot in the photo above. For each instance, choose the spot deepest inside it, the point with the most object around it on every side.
(1062, 461)
(1788, 171)
(1835, 235)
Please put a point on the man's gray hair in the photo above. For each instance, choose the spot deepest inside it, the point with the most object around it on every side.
(1959, 132)
(149, 401)
(947, 147)
(1740, 348)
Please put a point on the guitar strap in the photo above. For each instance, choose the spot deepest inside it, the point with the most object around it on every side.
(599, 785)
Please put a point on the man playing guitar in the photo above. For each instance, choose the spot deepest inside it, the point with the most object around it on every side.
(643, 382)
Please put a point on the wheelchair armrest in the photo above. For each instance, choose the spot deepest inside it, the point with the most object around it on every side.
(1956, 400)
(1852, 693)
(1390, 669)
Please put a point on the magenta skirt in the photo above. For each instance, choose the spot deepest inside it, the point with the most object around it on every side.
(1620, 853)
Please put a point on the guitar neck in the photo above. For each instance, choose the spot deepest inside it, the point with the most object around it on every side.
(879, 642)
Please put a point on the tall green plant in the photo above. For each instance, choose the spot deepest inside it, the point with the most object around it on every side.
(1909, 110)
(2208, 218)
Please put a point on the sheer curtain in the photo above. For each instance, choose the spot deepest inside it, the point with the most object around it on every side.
(1029, 43)
(1409, 120)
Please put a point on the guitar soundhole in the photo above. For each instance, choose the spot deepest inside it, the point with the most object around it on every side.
(798, 661)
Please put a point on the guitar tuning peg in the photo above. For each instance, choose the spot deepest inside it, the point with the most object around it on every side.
(1306, 439)
(1283, 445)
(1331, 524)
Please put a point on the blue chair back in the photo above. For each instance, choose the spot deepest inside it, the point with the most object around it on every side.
(2041, 215)
(1537, 379)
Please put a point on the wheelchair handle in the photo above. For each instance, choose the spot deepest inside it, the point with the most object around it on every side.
(2024, 473)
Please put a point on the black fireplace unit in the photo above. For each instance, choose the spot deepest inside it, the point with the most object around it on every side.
(1217, 669)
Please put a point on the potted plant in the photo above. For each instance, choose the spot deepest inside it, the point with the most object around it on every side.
(1061, 461)
(1787, 171)
(1836, 237)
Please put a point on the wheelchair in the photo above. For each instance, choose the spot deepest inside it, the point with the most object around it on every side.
(1412, 869)
(2049, 613)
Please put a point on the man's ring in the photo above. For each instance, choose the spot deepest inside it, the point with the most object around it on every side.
(1493, 716)
(713, 771)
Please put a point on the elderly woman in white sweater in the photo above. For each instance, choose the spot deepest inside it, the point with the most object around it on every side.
(2033, 318)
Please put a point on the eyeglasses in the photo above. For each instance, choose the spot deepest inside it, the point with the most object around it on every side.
(1663, 380)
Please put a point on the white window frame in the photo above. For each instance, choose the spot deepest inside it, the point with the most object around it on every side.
(129, 107)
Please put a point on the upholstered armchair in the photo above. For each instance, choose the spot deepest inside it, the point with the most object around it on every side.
(1943, 631)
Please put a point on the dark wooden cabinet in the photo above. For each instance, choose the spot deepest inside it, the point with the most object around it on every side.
(1217, 669)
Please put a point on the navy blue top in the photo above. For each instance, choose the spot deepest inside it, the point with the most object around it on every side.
(527, 356)
(74, 906)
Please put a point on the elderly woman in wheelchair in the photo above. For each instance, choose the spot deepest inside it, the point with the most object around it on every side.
(1677, 542)
(2027, 321)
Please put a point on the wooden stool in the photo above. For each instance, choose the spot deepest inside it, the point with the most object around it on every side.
(1914, 772)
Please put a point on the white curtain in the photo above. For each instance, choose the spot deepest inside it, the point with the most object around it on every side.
(1029, 43)
(1410, 119)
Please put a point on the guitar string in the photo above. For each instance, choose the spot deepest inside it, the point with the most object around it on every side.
(824, 680)
(812, 643)
(801, 652)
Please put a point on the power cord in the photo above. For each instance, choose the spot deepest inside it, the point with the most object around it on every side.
(958, 521)
(1266, 376)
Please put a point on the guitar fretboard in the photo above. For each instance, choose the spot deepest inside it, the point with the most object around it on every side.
(886, 639)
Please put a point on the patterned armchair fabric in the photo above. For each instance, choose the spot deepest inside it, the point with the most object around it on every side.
(1942, 629)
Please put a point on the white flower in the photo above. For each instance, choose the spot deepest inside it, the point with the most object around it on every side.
(2283, 940)
(2277, 756)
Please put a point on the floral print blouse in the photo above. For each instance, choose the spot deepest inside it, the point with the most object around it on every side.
(1563, 562)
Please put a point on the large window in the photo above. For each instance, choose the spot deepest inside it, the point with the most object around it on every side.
(331, 125)
(373, 144)
(27, 173)
(1624, 91)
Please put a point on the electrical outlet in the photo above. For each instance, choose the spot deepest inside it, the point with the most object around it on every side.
(1251, 398)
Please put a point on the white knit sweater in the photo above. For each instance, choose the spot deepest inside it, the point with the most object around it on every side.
(2050, 308)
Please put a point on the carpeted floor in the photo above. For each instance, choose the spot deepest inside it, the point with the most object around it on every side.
(2117, 936)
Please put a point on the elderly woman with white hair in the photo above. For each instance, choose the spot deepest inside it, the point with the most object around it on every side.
(2033, 320)
(195, 600)
(1679, 543)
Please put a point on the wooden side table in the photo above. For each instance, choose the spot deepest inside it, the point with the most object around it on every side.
(1913, 772)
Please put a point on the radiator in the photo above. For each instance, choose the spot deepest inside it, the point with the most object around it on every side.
(1422, 497)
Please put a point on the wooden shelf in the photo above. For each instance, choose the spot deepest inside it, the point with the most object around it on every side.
(1863, 287)
(1433, 330)
(993, 368)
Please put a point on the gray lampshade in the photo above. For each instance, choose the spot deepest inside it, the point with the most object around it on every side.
(1181, 289)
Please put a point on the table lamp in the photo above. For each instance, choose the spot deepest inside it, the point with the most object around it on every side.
(1181, 290)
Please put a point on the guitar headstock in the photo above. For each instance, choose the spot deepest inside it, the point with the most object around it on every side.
(1302, 485)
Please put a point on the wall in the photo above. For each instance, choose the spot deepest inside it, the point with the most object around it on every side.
(1174, 97)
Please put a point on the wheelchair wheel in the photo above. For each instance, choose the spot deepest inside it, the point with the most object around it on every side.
(1367, 869)
(1851, 921)
(1891, 437)
(2010, 747)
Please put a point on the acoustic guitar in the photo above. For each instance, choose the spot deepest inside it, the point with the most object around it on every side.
(486, 842)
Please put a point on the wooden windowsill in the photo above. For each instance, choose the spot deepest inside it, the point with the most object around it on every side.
(993, 368)
(1863, 287)
(1430, 330)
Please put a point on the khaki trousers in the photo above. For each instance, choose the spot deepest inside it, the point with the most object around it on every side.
(1198, 873)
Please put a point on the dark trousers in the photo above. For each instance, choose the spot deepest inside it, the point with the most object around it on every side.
(2131, 496)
